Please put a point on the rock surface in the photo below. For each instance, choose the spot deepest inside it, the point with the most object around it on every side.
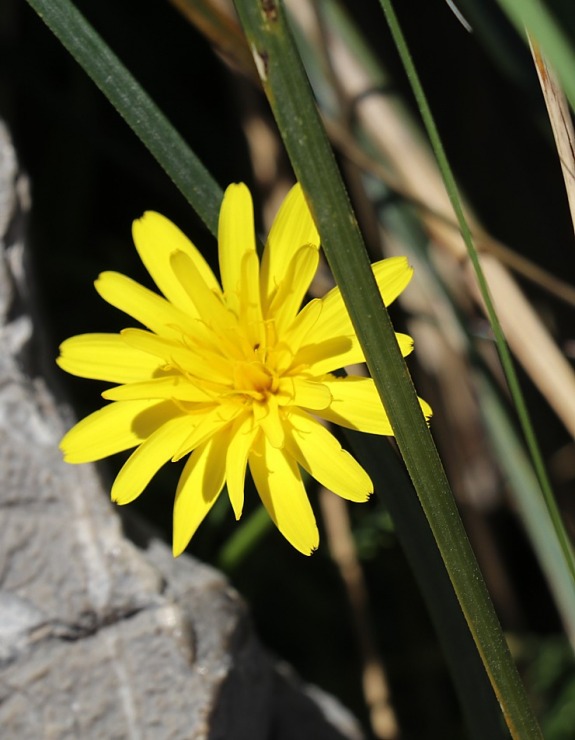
(100, 638)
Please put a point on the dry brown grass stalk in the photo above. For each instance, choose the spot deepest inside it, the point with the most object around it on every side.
(343, 552)
(560, 119)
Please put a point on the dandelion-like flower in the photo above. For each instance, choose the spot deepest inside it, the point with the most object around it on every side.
(231, 375)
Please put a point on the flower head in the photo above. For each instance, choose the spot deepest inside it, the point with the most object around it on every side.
(231, 375)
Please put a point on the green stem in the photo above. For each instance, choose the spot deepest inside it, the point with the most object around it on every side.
(293, 106)
(247, 535)
(135, 106)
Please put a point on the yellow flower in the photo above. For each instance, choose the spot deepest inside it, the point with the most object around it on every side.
(231, 375)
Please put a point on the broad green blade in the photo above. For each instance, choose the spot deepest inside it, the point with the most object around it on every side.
(294, 109)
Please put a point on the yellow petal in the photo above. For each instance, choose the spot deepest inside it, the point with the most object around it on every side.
(271, 421)
(304, 392)
(199, 486)
(150, 309)
(293, 227)
(105, 357)
(236, 239)
(296, 334)
(207, 423)
(337, 352)
(242, 434)
(208, 304)
(176, 355)
(147, 459)
(171, 387)
(319, 452)
(279, 484)
(426, 409)
(114, 428)
(250, 310)
(392, 276)
(156, 238)
(356, 404)
(291, 291)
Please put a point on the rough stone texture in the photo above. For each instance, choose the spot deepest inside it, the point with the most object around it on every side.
(99, 638)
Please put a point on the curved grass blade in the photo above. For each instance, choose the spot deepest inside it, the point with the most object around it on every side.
(135, 106)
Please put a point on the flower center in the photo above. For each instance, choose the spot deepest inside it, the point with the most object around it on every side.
(254, 380)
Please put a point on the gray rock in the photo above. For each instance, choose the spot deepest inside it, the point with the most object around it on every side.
(100, 638)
